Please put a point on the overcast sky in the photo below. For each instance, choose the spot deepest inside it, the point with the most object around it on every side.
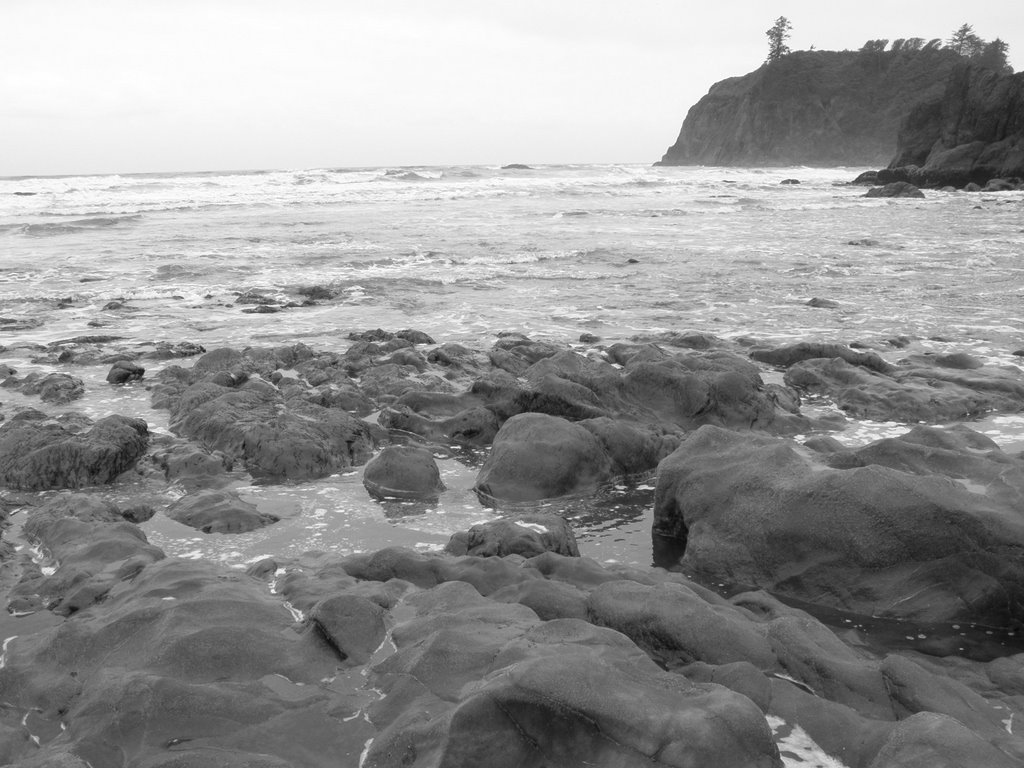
(100, 86)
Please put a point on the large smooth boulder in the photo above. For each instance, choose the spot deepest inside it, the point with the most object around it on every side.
(536, 456)
(39, 454)
(403, 471)
(905, 536)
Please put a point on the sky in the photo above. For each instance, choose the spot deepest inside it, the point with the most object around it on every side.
(125, 86)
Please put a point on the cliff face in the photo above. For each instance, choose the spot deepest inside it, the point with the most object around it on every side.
(974, 132)
(811, 108)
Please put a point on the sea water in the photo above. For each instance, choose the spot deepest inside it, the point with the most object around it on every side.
(463, 253)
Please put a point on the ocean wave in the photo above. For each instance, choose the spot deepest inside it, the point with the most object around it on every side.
(50, 229)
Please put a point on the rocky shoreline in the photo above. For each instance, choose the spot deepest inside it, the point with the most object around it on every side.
(755, 643)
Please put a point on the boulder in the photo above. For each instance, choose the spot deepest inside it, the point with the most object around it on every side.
(930, 740)
(536, 456)
(405, 472)
(924, 389)
(528, 534)
(276, 440)
(213, 511)
(908, 539)
(895, 189)
(40, 454)
(561, 692)
(56, 388)
(124, 371)
(93, 548)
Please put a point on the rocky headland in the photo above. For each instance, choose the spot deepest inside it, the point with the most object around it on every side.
(819, 108)
(972, 135)
(808, 596)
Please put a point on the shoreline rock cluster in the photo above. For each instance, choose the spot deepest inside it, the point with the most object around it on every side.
(509, 649)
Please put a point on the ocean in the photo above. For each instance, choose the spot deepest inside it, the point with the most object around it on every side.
(462, 253)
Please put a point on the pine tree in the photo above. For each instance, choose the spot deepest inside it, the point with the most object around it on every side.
(965, 42)
(777, 37)
(993, 56)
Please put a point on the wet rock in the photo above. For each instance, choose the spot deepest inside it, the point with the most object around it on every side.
(124, 371)
(527, 534)
(191, 466)
(791, 354)
(213, 511)
(353, 625)
(414, 336)
(56, 388)
(276, 440)
(163, 350)
(535, 456)
(922, 390)
(95, 549)
(472, 426)
(895, 189)
(938, 741)
(317, 292)
(403, 471)
(823, 303)
(39, 454)
(560, 692)
(892, 529)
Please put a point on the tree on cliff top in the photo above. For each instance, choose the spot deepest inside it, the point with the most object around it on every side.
(777, 37)
(993, 56)
(965, 42)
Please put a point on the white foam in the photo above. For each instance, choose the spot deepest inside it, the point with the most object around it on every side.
(3, 651)
(798, 749)
(536, 527)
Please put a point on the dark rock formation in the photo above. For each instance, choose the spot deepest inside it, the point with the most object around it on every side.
(212, 511)
(811, 108)
(924, 526)
(37, 453)
(895, 189)
(56, 388)
(403, 471)
(972, 133)
(95, 547)
(536, 456)
(124, 371)
(527, 534)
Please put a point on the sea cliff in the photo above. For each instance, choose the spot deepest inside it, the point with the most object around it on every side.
(819, 108)
(972, 133)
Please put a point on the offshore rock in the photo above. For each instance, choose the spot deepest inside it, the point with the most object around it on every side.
(895, 189)
(811, 108)
(924, 527)
(39, 454)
